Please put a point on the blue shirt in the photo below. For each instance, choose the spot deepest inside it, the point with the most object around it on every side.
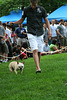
(46, 48)
(19, 34)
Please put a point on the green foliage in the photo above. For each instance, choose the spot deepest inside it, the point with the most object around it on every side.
(51, 84)
(52, 5)
(8, 5)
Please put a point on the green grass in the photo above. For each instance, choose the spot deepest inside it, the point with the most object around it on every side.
(48, 85)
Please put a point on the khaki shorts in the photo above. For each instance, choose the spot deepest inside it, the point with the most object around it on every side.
(20, 41)
(4, 48)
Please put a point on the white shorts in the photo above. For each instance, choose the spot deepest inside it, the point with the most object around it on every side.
(36, 42)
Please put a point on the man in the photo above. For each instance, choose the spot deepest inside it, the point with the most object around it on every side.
(53, 29)
(46, 46)
(60, 32)
(34, 14)
(3, 46)
(8, 41)
(21, 35)
(45, 32)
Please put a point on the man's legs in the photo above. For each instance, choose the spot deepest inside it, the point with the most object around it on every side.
(36, 44)
(36, 57)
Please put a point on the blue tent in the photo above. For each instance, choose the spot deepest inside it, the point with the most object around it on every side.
(13, 16)
(60, 13)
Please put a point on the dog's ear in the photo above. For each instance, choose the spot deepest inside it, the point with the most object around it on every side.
(23, 62)
(17, 62)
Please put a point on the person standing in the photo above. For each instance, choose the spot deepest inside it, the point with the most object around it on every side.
(60, 32)
(3, 46)
(34, 14)
(45, 32)
(53, 29)
(21, 35)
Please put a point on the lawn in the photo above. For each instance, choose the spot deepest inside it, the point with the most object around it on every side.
(50, 84)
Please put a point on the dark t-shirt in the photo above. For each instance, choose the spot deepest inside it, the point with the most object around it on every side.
(61, 29)
(34, 19)
(19, 34)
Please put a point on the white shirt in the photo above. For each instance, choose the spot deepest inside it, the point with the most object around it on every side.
(53, 30)
(8, 32)
(65, 31)
(45, 48)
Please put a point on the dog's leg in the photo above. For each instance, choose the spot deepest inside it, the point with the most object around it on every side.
(15, 71)
(21, 70)
(11, 70)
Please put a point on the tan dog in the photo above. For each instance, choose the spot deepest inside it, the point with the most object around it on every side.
(16, 66)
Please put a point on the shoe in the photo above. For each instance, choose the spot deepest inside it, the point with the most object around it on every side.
(38, 71)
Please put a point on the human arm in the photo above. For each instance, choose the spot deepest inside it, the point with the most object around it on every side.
(16, 35)
(23, 32)
(48, 26)
(3, 36)
(59, 33)
(18, 22)
(54, 48)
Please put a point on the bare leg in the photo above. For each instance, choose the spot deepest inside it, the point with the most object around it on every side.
(36, 59)
(39, 56)
(3, 57)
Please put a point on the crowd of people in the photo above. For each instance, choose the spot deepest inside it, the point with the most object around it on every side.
(18, 44)
(14, 43)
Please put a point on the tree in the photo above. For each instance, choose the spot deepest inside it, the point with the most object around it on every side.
(8, 5)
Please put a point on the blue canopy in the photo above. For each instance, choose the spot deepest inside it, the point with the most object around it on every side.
(60, 13)
(13, 16)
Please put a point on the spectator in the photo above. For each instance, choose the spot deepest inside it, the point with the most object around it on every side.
(29, 52)
(53, 29)
(60, 32)
(49, 40)
(23, 53)
(46, 46)
(53, 47)
(65, 32)
(45, 32)
(8, 40)
(56, 22)
(3, 46)
(14, 47)
(21, 35)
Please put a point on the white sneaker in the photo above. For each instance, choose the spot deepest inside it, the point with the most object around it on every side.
(6, 60)
(1, 60)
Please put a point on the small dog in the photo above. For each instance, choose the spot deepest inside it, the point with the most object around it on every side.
(14, 66)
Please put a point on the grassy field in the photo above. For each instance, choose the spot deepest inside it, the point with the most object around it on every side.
(51, 84)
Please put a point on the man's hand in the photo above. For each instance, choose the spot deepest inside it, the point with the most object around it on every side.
(3, 38)
(62, 37)
(22, 32)
(11, 23)
(50, 34)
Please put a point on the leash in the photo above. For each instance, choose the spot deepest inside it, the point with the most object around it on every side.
(26, 53)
